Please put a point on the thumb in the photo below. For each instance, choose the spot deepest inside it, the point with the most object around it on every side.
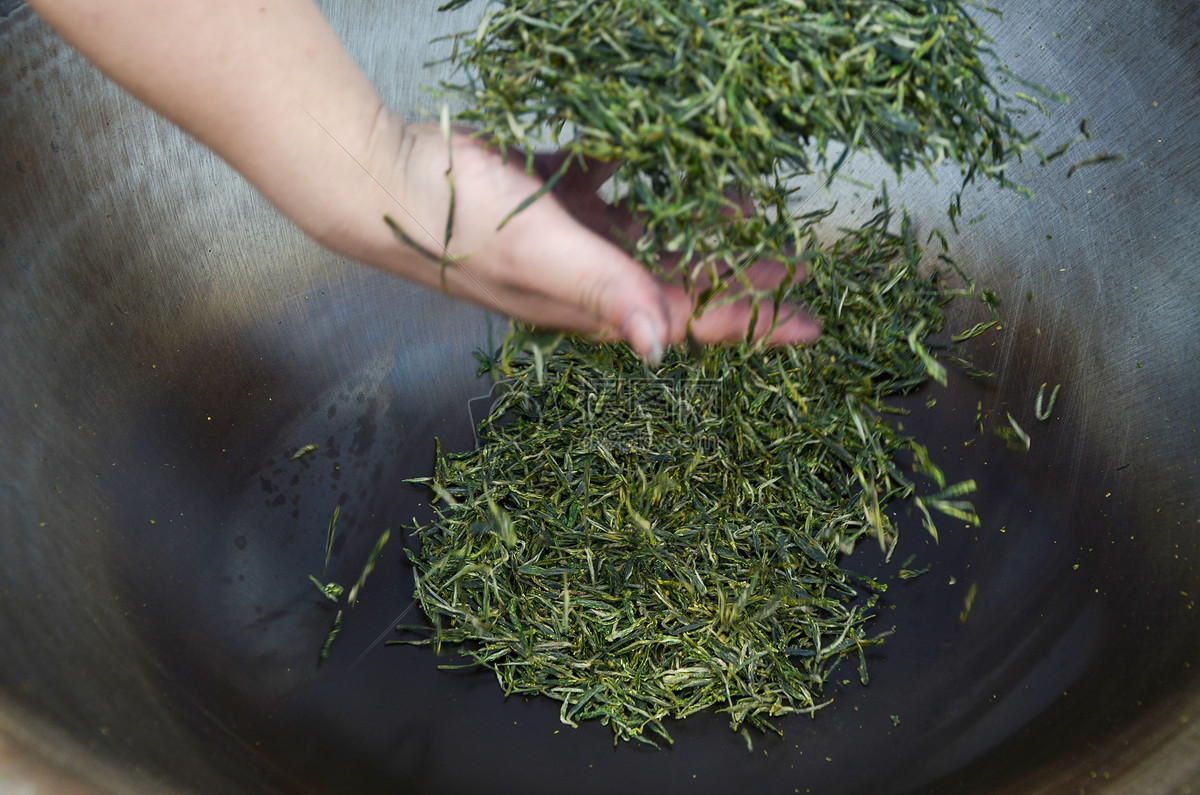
(627, 300)
(597, 286)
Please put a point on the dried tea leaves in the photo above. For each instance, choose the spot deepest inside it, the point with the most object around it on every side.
(644, 546)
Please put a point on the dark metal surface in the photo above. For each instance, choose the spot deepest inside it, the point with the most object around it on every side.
(168, 342)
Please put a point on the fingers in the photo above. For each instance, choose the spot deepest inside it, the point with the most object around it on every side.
(731, 315)
(738, 320)
(729, 322)
(624, 301)
(600, 288)
(598, 291)
(555, 264)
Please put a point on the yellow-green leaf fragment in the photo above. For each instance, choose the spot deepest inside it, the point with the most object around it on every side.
(305, 450)
(1040, 413)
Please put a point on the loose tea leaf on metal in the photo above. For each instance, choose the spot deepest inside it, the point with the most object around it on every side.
(643, 546)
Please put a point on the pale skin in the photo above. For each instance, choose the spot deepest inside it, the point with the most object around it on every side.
(268, 86)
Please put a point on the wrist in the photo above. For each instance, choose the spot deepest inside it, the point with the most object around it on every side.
(354, 183)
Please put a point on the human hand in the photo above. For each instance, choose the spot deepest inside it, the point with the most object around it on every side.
(557, 263)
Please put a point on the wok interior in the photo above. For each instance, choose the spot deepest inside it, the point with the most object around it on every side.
(169, 344)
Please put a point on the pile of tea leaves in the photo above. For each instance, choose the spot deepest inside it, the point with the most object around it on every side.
(642, 545)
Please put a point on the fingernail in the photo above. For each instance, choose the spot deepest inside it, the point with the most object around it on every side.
(645, 337)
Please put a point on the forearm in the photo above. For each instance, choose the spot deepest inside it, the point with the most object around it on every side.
(265, 84)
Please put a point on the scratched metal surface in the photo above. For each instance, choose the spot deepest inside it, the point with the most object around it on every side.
(167, 341)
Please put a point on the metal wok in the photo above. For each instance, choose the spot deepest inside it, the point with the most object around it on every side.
(168, 342)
